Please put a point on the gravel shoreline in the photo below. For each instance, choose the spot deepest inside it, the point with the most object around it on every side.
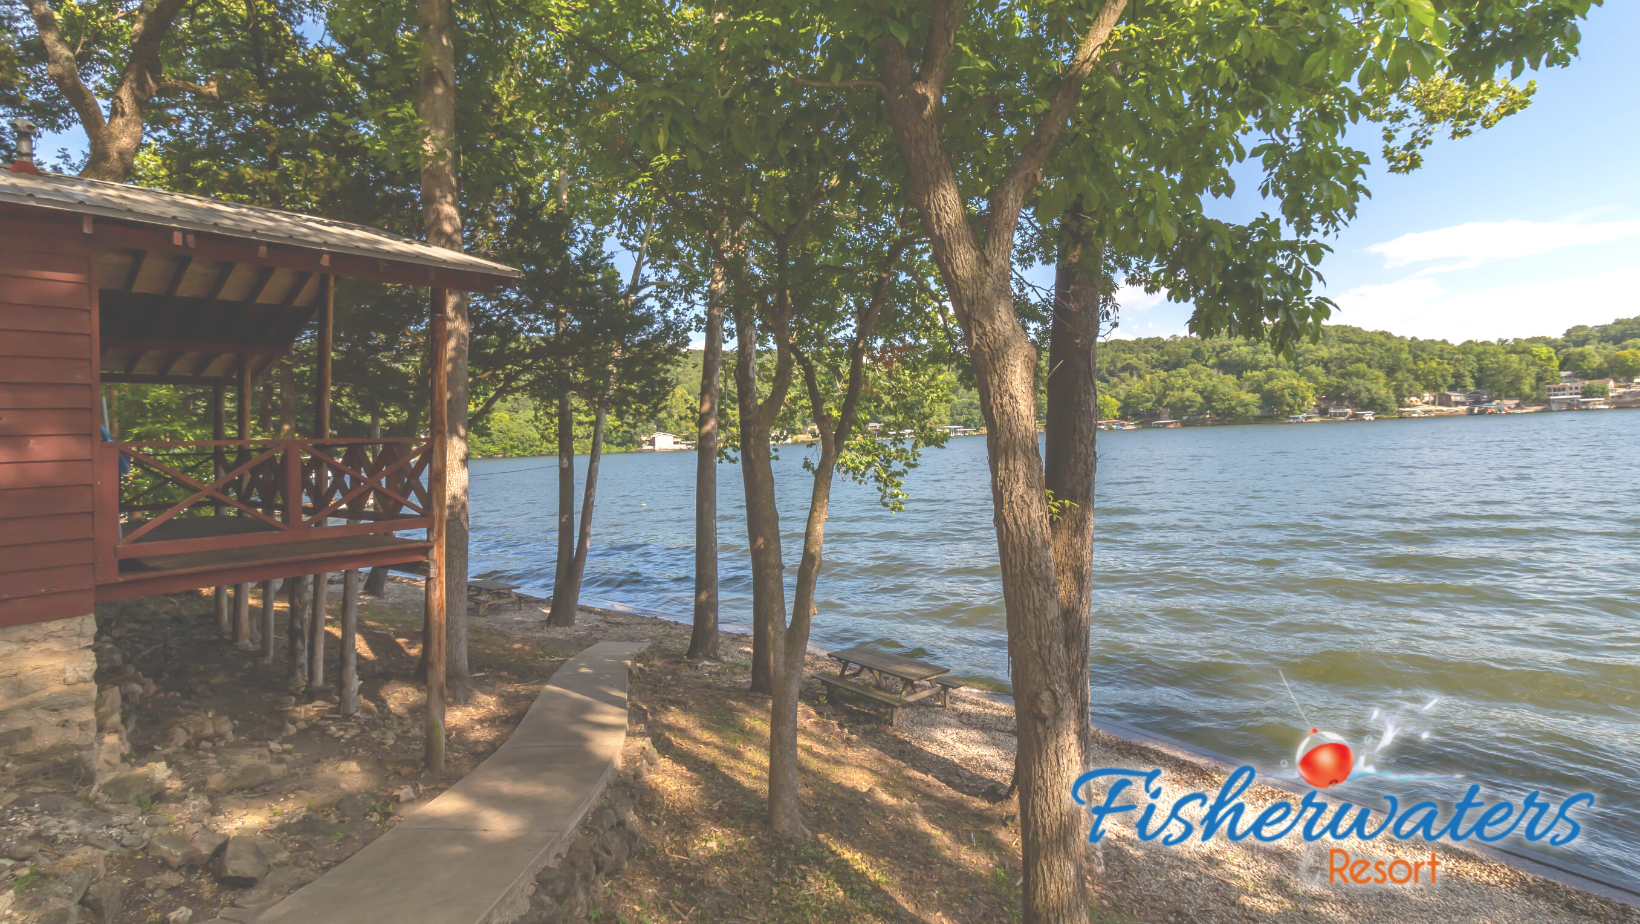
(1282, 881)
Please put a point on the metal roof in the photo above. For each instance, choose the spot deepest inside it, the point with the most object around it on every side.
(196, 213)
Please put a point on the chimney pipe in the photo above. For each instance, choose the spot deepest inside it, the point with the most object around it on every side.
(25, 146)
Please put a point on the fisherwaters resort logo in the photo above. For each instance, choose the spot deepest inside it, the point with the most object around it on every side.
(1325, 760)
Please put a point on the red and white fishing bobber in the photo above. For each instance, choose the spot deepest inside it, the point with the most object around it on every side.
(1324, 759)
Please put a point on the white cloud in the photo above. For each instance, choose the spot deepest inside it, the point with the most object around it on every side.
(1422, 307)
(1473, 243)
(1135, 300)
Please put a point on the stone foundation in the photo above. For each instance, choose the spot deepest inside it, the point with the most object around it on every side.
(48, 693)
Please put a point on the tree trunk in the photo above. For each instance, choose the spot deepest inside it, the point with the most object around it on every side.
(790, 643)
(562, 614)
(1045, 675)
(762, 516)
(441, 216)
(1073, 412)
(703, 639)
(583, 542)
(790, 648)
(975, 257)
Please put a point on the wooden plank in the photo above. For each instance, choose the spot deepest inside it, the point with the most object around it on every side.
(45, 581)
(45, 371)
(60, 266)
(43, 502)
(271, 538)
(15, 475)
(124, 378)
(198, 572)
(47, 529)
(46, 607)
(904, 668)
(38, 555)
(191, 346)
(45, 318)
(33, 396)
(66, 243)
(44, 422)
(43, 344)
(47, 292)
(44, 449)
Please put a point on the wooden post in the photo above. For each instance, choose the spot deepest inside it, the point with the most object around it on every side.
(219, 431)
(242, 592)
(245, 399)
(317, 641)
(267, 621)
(296, 629)
(242, 616)
(438, 431)
(350, 643)
(321, 480)
(327, 322)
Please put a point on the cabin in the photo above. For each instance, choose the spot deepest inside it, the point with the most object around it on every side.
(664, 442)
(102, 283)
(1464, 398)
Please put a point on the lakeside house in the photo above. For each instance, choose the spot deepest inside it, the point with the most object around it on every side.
(1339, 413)
(104, 283)
(664, 442)
(1464, 398)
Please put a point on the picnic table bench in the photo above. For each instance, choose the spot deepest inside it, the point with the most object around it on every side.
(487, 593)
(889, 670)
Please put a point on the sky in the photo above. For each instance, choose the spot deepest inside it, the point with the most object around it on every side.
(1521, 230)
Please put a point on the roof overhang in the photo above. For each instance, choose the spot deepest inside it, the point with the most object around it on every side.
(137, 218)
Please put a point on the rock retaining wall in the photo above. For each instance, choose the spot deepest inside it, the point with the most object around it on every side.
(47, 692)
(571, 889)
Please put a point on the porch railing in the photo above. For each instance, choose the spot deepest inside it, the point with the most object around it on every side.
(275, 491)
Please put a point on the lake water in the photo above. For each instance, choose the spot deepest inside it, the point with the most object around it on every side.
(1488, 563)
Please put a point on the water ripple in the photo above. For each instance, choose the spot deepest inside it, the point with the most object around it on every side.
(1487, 561)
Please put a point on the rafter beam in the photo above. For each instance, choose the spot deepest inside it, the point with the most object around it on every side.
(250, 310)
(172, 314)
(213, 299)
(193, 346)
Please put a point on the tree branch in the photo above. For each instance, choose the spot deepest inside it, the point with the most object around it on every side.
(845, 85)
(150, 28)
(942, 40)
(63, 69)
(1025, 172)
(168, 84)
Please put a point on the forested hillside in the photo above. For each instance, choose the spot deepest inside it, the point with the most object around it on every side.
(1189, 376)
(1363, 369)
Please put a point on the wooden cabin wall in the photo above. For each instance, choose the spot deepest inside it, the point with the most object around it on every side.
(48, 419)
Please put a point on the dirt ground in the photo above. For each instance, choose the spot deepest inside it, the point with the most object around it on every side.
(221, 745)
(910, 823)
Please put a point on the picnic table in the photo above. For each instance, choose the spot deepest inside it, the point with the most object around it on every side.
(895, 678)
(487, 593)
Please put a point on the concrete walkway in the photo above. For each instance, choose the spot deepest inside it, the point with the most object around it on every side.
(467, 856)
